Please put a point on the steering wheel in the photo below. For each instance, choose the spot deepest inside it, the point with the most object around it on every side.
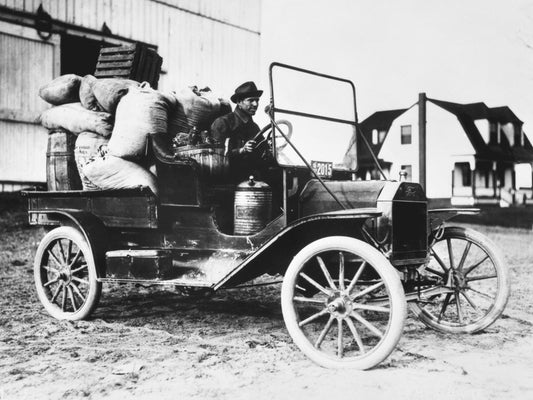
(264, 137)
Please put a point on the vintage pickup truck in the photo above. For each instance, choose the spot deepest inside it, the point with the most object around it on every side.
(352, 253)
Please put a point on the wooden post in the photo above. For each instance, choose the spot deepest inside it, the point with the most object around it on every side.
(422, 139)
(494, 180)
(473, 179)
(453, 179)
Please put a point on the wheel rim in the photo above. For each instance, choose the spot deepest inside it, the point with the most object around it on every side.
(64, 275)
(342, 305)
(469, 275)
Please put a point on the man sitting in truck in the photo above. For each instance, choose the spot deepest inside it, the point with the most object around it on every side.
(236, 131)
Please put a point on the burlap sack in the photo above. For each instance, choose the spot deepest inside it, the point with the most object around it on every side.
(76, 119)
(88, 146)
(109, 91)
(195, 107)
(61, 90)
(110, 172)
(225, 107)
(141, 111)
(87, 97)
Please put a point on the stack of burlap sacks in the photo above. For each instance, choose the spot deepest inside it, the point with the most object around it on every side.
(112, 119)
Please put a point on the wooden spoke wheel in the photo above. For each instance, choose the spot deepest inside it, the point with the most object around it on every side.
(468, 265)
(343, 303)
(65, 275)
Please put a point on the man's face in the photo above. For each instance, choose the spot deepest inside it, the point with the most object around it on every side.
(249, 105)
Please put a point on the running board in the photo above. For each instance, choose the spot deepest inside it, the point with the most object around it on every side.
(166, 282)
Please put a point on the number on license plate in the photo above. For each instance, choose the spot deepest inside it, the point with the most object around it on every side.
(323, 169)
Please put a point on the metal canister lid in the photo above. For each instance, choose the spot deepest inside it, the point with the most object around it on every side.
(252, 184)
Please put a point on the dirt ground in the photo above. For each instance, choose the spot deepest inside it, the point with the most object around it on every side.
(146, 343)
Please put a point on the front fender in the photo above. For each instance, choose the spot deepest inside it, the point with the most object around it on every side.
(275, 254)
(440, 215)
(90, 226)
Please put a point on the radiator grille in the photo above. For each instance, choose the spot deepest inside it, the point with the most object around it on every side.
(409, 231)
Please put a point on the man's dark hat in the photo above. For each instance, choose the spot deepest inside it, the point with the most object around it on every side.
(247, 89)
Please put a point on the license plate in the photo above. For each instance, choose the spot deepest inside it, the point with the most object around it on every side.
(323, 169)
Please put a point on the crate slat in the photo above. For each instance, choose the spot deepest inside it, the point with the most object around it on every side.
(107, 65)
(112, 73)
(114, 58)
(135, 62)
(119, 49)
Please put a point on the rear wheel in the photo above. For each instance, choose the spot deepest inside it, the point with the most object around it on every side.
(467, 264)
(343, 303)
(65, 275)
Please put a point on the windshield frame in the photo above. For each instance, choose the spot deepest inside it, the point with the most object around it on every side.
(272, 109)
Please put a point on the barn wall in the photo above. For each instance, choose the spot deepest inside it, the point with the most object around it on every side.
(26, 63)
(208, 42)
(203, 42)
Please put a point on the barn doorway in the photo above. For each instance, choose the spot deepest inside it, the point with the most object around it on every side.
(79, 54)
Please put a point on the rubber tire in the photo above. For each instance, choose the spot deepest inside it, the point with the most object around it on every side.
(394, 288)
(95, 287)
(502, 295)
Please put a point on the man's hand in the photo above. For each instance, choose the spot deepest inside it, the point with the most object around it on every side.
(248, 147)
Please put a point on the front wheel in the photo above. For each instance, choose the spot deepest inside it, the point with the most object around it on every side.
(65, 274)
(468, 266)
(343, 303)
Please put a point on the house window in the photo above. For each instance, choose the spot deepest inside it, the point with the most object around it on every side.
(493, 133)
(409, 170)
(486, 174)
(517, 135)
(406, 134)
(378, 136)
(466, 175)
(381, 135)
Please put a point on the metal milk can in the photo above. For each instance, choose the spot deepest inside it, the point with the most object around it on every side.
(252, 207)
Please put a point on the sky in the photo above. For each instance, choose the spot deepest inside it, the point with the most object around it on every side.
(462, 51)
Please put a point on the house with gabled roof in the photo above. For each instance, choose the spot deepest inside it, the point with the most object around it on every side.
(463, 154)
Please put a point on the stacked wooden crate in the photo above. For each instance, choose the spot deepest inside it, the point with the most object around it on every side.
(137, 62)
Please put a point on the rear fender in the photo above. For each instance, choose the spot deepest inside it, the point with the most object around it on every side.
(440, 215)
(91, 227)
(274, 256)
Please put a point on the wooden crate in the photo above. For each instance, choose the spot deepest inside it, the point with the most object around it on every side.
(137, 62)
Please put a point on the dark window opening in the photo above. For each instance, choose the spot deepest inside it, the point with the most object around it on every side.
(79, 55)
(466, 174)
(486, 174)
(493, 133)
(406, 134)
(517, 135)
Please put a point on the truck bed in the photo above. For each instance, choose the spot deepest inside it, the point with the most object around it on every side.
(124, 208)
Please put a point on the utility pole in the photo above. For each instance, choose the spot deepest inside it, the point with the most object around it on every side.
(422, 139)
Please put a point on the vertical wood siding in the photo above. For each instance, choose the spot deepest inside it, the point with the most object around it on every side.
(25, 65)
(201, 41)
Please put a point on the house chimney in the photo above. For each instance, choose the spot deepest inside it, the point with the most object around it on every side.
(422, 139)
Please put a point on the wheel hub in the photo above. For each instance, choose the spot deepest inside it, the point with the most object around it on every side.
(459, 280)
(340, 306)
(65, 275)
